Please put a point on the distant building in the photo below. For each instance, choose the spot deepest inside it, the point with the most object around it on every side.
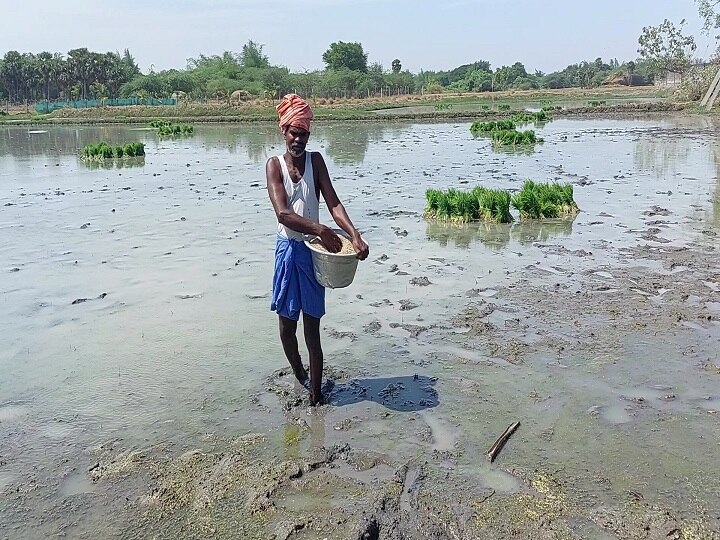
(673, 79)
(669, 79)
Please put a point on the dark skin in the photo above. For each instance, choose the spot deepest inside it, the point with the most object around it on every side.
(295, 142)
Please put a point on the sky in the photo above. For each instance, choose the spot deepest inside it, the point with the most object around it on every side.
(424, 34)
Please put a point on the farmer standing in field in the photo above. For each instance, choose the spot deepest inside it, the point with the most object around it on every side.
(295, 181)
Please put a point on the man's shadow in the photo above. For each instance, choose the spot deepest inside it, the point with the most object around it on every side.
(410, 393)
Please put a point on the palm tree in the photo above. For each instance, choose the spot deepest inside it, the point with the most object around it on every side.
(45, 68)
(11, 73)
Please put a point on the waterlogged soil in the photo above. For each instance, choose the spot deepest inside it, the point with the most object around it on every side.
(144, 393)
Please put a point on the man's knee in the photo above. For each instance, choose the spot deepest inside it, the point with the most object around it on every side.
(288, 327)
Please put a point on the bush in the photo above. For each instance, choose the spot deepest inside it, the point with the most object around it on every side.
(695, 83)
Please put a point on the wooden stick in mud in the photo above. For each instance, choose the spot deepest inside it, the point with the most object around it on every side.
(502, 439)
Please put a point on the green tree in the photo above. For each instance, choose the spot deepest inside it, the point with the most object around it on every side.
(12, 74)
(708, 10)
(252, 56)
(46, 69)
(80, 63)
(128, 66)
(396, 66)
(665, 47)
(343, 55)
(506, 75)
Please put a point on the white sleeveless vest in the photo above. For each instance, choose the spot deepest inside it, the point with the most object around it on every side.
(301, 197)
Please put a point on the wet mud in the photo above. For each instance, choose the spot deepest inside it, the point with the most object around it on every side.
(129, 415)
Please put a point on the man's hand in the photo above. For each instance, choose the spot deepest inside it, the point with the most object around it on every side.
(330, 240)
(360, 246)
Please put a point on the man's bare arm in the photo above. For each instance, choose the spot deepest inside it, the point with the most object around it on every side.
(337, 209)
(287, 217)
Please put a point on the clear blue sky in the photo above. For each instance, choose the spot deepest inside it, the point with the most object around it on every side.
(423, 34)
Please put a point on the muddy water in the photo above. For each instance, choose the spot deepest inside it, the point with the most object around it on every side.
(139, 353)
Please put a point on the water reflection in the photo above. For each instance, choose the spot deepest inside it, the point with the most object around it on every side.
(255, 140)
(670, 156)
(497, 235)
(662, 157)
(115, 163)
(344, 142)
(347, 143)
(514, 150)
(63, 141)
(527, 232)
(716, 197)
(493, 235)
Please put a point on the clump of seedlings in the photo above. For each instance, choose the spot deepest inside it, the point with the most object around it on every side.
(168, 129)
(503, 107)
(102, 150)
(526, 117)
(479, 127)
(595, 103)
(480, 204)
(545, 200)
(514, 137)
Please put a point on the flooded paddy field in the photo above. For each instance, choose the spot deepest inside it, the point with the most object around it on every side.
(144, 393)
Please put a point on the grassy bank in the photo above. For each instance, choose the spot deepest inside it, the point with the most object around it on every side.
(483, 106)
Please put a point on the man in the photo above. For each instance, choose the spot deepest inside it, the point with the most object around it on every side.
(295, 181)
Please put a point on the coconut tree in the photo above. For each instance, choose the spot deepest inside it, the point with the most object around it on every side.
(11, 74)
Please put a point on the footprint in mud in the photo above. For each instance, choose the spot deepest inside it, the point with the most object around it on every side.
(442, 435)
(614, 414)
(293, 394)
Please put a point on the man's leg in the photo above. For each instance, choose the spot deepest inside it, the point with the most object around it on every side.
(311, 327)
(288, 327)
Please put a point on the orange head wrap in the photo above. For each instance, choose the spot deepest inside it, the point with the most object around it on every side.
(294, 111)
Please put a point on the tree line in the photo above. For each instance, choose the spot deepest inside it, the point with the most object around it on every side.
(83, 74)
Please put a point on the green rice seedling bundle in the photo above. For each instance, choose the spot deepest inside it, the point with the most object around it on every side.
(503, 107)
(462, 206)
(485, 107)
(166, 128)
(526, 117)
(174, 130)
(548, 200)
(155, 124)
(102, 151)
(478, 126)
(136, 149)
(493, 204)
(514, 137)
(596, 103)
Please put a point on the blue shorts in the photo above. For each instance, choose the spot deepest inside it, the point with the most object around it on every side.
(295, 288)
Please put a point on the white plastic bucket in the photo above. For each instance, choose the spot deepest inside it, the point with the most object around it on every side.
(333, 270)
